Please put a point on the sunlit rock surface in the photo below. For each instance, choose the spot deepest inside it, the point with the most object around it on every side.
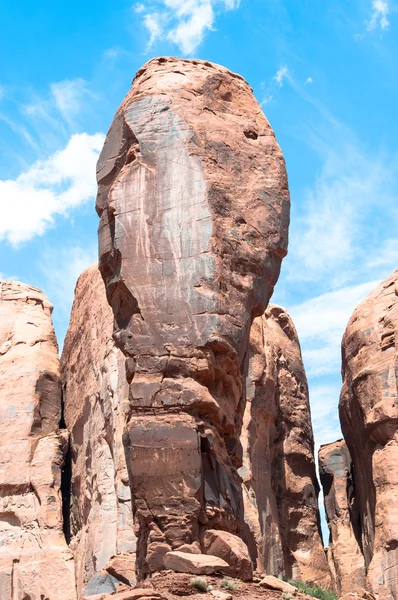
(280, 485)
(34, 556)
(100, 521)
(194, 207)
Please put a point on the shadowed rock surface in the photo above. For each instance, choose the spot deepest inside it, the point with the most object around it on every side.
(95, 395)
(337, 478)
(280, 485)
(34, 555)
(194, 207)
(369, 418)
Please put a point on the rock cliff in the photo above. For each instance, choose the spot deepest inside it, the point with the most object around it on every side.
(280, 485)
(194, 207)
(341, 503)
(369, 421)
(34, 555)
(99, 514)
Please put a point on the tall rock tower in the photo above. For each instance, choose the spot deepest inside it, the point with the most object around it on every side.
(194, 206)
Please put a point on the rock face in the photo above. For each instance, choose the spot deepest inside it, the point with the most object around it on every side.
(341, 503)
(194, 207)
(100, 524)
(369, 421)
(280, 485)
(35, 561)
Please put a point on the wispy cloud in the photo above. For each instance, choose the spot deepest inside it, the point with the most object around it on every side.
(379, 16)
(61, 271)
(321, 321)
(66, 99)
(343, 214)
(281, 75)
(182, 22)
(49, 188)
(275, 83)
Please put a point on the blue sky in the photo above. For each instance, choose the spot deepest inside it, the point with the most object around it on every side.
(326, 74)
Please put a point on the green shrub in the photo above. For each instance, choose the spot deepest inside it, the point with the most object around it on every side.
(200, 584)
(316, 591)
(229, 584)
(287, 596)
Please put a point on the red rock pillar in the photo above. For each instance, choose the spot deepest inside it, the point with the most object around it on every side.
(194, 207)
(279, 475)
(369, 421)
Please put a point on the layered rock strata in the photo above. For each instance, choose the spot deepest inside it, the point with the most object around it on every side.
(35, 561)
(100, 521)
(194, 207)
(280, 485)
(341, 503)
(369, 421)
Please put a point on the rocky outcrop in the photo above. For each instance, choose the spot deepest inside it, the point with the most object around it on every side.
(35, 561)
(194, 207)
(369, 421)
(341, 503)
(280, 485)
(100, 523)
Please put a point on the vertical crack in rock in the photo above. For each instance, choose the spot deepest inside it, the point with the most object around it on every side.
(279, 481)
(194, 212)
(344, 552)
(101, 530)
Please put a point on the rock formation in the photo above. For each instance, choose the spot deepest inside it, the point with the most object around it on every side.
(337, 478)
(34, 556)
(280, 485)
(194, 207)
(100, 523)
(369, 421)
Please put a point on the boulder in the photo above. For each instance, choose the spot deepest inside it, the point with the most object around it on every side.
(273, 583)
(220, 595)
(100, 521)
(280, 487)
(193, 548)
(369, 421)
(342, 513)
(231, 549)
(197, 564)
(122, 567)
(35, 561)
(193, 203)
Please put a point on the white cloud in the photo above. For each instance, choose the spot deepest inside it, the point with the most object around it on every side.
(308, 81)
(281, 75)
(49, 188)
(152, 23)
(379, 15)
(274, 84)
(321, 322)
(182, 22)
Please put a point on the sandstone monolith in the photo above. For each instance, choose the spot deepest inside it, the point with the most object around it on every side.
(279, 479)
(341, 503)
(369, 421)
(35, 561)
(100, 524)
(194, 210)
